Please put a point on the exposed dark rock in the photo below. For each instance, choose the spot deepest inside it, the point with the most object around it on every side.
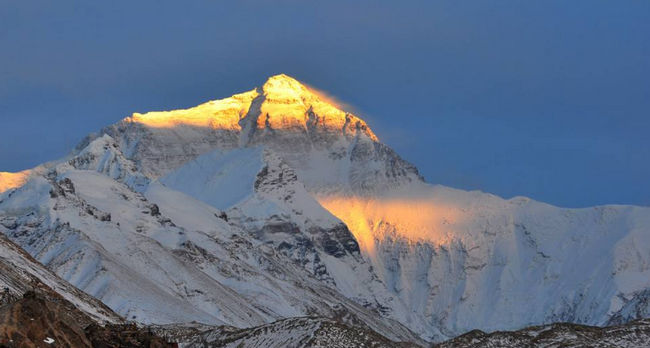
(332, 247)
(67, 185)
(114, 336)
(261, 176)
(280, 226)
(285, 245)
(56, 191)
(337, 241)
(39, 321)
(222, 216)
(300, 332)
(105, 217)
(154, 210)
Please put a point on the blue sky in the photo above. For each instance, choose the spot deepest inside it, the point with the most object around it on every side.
(547, 99)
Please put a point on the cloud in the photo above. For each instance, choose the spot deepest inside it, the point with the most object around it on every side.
(331, 99)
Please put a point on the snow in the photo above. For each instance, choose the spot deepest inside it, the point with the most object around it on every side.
(221, 114)
(484, 262)
(217, 178)
(13, 180)
(185, 210)
(143, 267)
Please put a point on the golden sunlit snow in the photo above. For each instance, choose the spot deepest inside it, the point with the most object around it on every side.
(281, 103)
(12, 180)
(219, 114)
(372, 218)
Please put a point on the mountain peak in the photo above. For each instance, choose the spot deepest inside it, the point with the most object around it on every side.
(281, 103)
(283, 83)
(286, 89)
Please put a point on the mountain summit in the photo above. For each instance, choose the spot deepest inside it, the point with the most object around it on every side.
(329, 148)
(281, 103)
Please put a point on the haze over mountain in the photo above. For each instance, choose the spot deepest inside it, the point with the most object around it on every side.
(275, 203)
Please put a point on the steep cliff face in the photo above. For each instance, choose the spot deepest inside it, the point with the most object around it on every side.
(275, 203)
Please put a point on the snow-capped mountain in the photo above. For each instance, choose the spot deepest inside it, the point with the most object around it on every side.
(329, 148)
(162, 256)
(275, 203)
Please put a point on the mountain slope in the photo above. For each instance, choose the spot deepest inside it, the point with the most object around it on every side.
(20, 273)
(37, 306)
(12, 180)
(164, 257)
(39, 320)
(470, 260)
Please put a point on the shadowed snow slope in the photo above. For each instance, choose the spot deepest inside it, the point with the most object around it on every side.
(275, 203)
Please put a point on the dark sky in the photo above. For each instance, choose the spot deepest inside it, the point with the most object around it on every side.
(547, 99)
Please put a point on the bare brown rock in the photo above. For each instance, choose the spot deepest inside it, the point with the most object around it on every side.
(40, 321)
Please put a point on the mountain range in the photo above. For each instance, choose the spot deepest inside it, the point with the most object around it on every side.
(276, 208)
